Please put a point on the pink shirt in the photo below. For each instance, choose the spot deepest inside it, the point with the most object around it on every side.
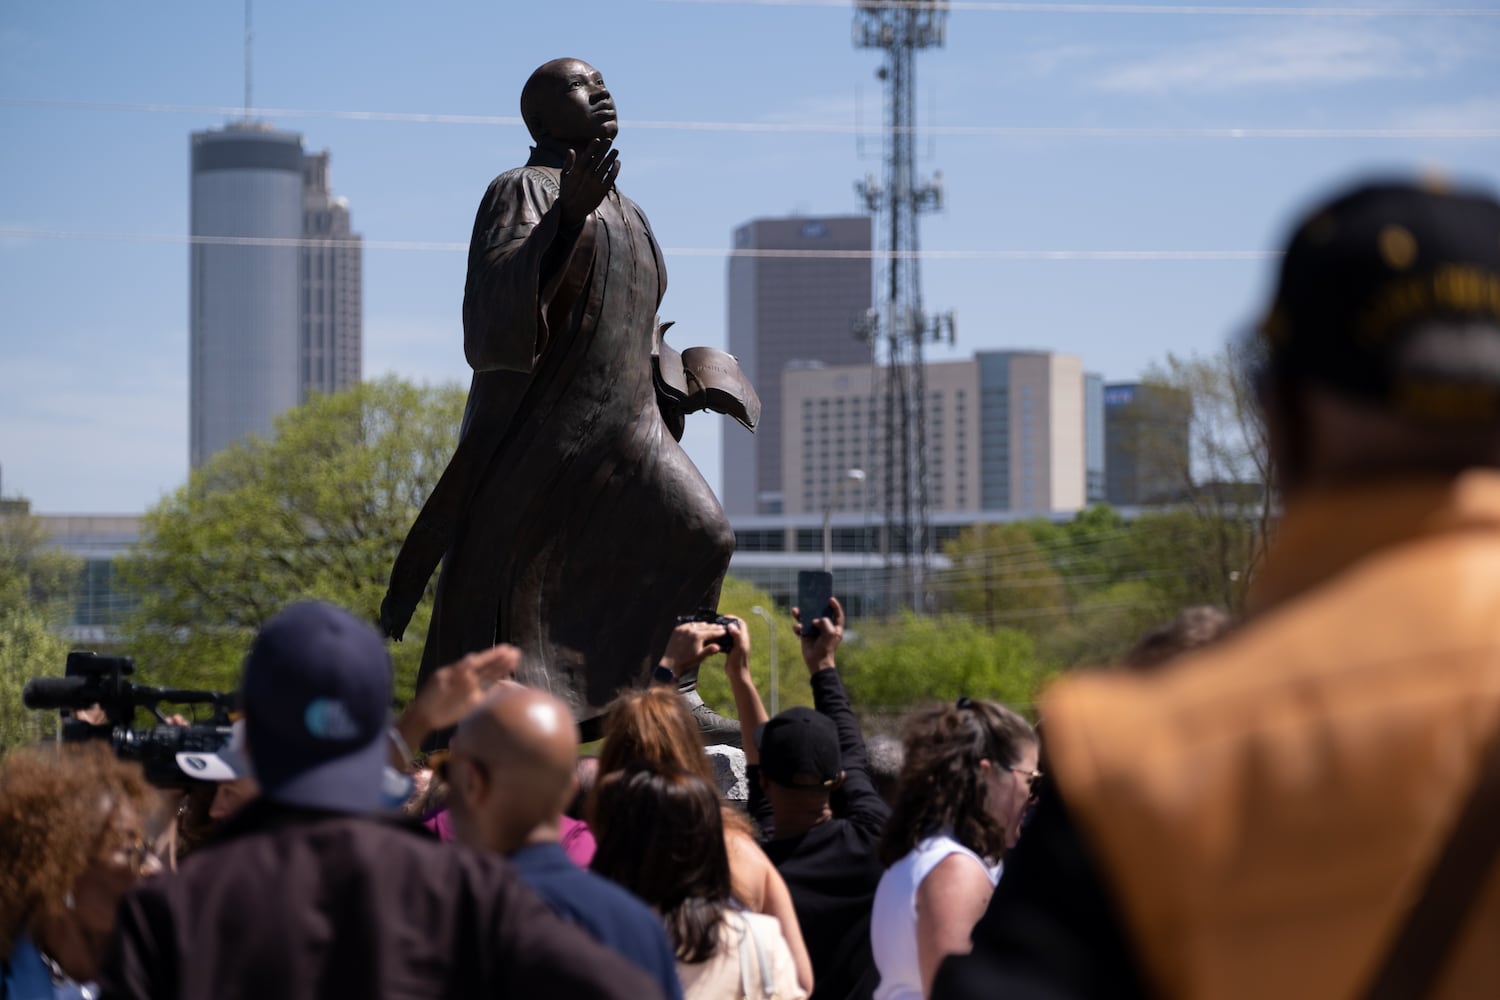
(577, 840)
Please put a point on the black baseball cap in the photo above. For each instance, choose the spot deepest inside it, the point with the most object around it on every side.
(316, 695)
(1390, 294)
(800, 749)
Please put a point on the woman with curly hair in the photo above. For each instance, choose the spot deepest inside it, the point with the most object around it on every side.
(660, 834)
(964, 788)
(655, 726)
(72, 843)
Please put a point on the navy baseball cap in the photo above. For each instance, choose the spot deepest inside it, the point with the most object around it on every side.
(316, 694)
(800, 749)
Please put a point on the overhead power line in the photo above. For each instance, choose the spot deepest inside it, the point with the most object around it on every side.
(720, 252)
(802, 128)
(1132, 9)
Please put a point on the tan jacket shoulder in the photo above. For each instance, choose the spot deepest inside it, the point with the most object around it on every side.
(1265, 811)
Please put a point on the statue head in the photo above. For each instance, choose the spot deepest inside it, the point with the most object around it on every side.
(565, 105)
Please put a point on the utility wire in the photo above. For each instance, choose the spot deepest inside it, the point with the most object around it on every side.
(1133, 9)
(716, 252)
(817, 128)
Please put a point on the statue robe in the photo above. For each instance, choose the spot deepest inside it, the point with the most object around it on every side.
(578, 527)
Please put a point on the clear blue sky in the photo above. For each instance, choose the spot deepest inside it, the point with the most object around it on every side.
(93, 331)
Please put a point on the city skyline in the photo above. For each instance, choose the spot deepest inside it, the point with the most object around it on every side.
(1116, 184)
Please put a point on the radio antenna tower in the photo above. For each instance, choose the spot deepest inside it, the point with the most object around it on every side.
(249, 42)
(898, 324)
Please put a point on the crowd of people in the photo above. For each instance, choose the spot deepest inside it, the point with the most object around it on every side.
(1300, 804)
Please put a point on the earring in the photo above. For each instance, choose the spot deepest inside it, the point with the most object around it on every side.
(68, 900)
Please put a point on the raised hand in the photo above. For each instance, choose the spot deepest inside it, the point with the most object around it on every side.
(738, 660)
(818, 649)
(586, 180)
(452, 691)
(690, 644)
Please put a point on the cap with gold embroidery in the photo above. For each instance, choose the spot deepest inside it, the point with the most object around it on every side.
(1391, 294)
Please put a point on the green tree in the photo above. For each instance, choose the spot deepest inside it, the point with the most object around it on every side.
(999, 575)
(37, 586)
(1224, 479)
(1106, 622)
(913, 659)
(318, 511)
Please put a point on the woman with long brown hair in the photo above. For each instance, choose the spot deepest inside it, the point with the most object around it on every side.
(964, 788)
(660, 835)
(655, 726)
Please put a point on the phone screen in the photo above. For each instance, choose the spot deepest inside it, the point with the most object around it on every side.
(814, 597)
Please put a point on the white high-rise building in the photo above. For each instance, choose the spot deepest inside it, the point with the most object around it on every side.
(1005, 430)
(270, 318)
(332, 333)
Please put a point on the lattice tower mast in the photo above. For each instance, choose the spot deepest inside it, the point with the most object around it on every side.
(900, 28)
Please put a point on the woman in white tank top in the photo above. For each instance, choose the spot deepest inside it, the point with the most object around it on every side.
(964, 788)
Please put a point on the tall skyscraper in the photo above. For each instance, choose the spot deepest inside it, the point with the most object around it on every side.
(332, 327)
(786, 309)
(270, 317)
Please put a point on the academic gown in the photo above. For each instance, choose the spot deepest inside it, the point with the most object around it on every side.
(579, 527)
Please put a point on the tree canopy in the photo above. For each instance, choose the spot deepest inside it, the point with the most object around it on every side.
(37, 585)
(317, 511)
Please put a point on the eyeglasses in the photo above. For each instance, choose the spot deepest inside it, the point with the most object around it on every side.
(967, 704)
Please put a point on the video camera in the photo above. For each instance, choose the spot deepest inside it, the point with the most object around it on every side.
(92, 680)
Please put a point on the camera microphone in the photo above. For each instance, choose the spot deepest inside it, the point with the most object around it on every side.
(59, 692)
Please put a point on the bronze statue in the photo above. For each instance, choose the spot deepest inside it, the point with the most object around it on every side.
(570, 521)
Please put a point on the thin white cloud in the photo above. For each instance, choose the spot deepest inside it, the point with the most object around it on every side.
(1467, 114)
(830, 108)
(1300, 55)
(1050, 61)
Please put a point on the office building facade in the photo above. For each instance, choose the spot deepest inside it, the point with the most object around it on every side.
(795, 308)
(1004, 431)
(332, 293)
(271, 318)
(1148, 443)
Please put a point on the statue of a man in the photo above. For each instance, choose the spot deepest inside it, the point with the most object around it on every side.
(570, 521)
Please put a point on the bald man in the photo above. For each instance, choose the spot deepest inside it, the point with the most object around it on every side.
(511, 773)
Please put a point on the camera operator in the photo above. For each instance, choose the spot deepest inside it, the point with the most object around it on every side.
(72, 842)
(229, 772)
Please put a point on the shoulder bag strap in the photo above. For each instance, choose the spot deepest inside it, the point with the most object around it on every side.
(1459, 875)
(746, 943)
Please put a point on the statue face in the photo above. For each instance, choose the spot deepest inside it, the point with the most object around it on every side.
(579, 108)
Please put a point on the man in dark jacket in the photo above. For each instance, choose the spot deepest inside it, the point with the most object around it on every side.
(511, 772)
(309, 892)
(810, 789)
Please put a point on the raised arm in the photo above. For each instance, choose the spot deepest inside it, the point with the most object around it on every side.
(856, 799)
(449, 695)
(747, 704)
(530, 249)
